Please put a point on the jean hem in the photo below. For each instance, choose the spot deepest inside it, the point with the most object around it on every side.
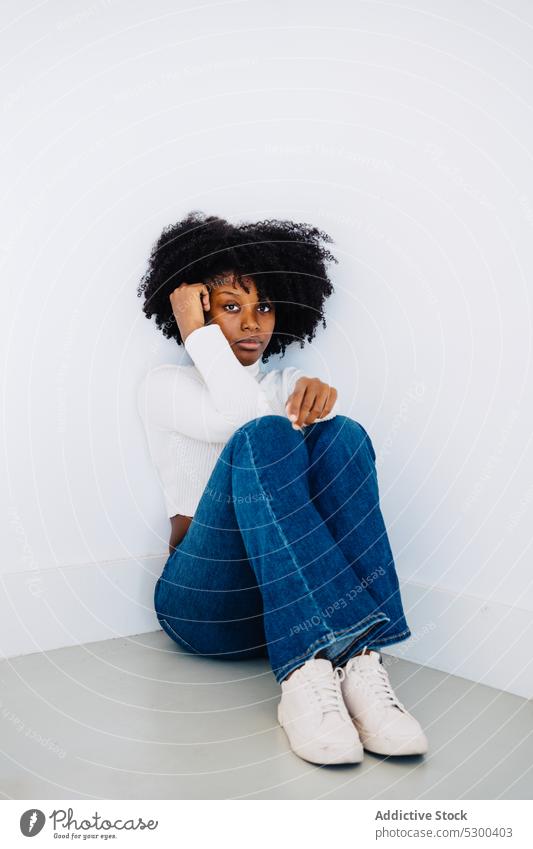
(371, 644)
(388, 641)
(328, 640)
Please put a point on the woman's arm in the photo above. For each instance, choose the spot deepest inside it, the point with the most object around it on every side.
(174, 398)
(235, 393)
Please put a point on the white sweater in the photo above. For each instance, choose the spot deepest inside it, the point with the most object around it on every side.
(190, 412)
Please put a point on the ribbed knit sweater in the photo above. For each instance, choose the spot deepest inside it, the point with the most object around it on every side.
(190, 412)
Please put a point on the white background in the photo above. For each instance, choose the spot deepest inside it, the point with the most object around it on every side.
(402, 130)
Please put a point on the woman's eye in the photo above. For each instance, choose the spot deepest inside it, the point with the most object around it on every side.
(269, 308)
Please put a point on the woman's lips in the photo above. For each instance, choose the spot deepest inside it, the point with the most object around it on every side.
(249, 346)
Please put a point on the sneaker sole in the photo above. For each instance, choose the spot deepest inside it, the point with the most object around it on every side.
(412, 746)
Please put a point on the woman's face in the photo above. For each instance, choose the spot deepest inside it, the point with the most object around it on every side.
(239, 315)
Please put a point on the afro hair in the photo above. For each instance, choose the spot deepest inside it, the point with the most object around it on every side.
(286, 260)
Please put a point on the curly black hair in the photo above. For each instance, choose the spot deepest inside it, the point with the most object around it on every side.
(285, 259)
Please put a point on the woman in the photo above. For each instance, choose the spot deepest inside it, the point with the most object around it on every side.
(277, 545)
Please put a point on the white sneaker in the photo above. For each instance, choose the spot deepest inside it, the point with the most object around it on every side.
(384, 725)
(313, 714)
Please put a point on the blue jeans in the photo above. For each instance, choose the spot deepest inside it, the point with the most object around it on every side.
(287, 553)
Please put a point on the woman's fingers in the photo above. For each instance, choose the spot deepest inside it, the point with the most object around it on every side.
(308, 406)
(311, 400)
(205, 299)
(331, 397)
(314, 405)
(189, 302)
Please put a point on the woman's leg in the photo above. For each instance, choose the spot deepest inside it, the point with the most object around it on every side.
(207, 599)
(344, 489)
(312, 595)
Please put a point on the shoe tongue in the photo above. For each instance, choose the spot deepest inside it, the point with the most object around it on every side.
(369, 658)
(319, 664)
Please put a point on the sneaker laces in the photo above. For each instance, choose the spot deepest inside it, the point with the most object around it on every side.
(328, 691)
(377, 680)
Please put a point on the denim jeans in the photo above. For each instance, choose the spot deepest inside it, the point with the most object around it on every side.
(287, 553)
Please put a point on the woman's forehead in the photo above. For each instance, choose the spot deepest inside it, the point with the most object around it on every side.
(229, 280)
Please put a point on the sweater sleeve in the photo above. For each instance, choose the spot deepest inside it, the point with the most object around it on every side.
(235, 394)
(291, 375)
(174, 398)
(170, 398)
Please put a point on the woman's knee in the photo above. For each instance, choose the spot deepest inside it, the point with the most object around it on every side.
(267, 425)
(344, 427)
(268, 441)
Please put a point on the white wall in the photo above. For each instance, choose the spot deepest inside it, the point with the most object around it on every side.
(404, 132)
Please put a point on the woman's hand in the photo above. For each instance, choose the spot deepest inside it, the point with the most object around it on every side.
(311, 400)
(189, 303)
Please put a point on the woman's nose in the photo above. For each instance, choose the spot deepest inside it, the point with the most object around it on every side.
(250, 321)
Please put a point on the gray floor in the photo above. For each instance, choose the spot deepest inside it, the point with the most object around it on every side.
(136, 718)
